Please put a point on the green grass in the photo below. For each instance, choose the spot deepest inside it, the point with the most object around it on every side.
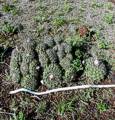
(41, 107)
(102, 106)
(8, 28)
(108, 18)
(58, 21)
(65, 106)
(10, 9)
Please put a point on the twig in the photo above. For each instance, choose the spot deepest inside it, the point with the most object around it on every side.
(61, 89)
(7, 113)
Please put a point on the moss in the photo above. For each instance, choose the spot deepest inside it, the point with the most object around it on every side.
(52, 76)
(15, 66)
(95, 72)
(52, 55)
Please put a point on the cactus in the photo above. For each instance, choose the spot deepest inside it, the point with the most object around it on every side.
(52, 76)
(52, 55)
(29, 82)
(69, 56)
(28, 66)
(15, 66)
(28, 44)
(69, 74)
(95, 72)
(49, 41)
(61, 53)
(67, 48)
(65, 63)
(41, 47)
(43, 58)
(58, 39)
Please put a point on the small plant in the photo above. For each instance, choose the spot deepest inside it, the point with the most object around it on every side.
(21, 116)
(75, 40)
(102, 107)
(97, 4)
(108, 5)
(65, 106)
(77, 65)
(10, 9)
(108, 18)
(59, 21)
(67, 6)
(8, 28)
(102, 45)
(42, 14)
(42, 107)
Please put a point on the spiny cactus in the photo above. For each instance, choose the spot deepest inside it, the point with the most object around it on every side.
(69, 74)
(69, 56)
(49, 41)
(52, 55)
(58, 39)
(41, 47)
(28, 66)
(52, 76)
(65, 63)
(15, 66)
(28, 44)
(30, 81)
(43, 58)
(67, 48)
(61, 52)
(95, 71)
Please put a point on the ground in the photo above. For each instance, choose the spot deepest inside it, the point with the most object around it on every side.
(28, 19)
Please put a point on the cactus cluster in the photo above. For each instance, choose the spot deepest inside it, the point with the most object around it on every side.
(58, 63)
(54, 52)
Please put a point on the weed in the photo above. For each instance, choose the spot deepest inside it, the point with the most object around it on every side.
(58, 21)
(9, 28)
(41, 107)
(108, 18)
(41, 17)
(102, 107)
(66, 6)
(86, 95)
(108, 5)
(10, 9)
(75, 40)
(76, 64)
(65, 106)
(97, 4)
(21, 116)
(103, 45)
